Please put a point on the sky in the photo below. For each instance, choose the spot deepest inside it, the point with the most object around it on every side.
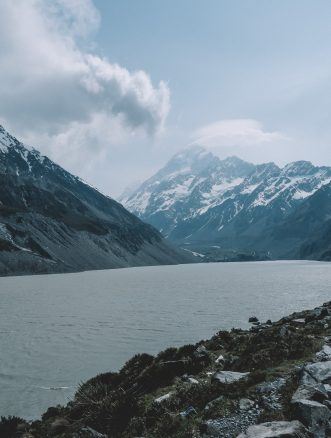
(111, 89)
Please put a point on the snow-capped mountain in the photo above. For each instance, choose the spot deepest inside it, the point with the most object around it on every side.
(51, 221)
(199, 199)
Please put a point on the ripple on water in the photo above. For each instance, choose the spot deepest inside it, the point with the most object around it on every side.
(59, 330)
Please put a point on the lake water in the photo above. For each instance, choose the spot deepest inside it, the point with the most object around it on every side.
(59, 330)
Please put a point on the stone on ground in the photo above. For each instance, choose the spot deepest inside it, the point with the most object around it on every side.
(276, 429)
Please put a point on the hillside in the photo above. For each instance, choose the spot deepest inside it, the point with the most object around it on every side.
(51, 221)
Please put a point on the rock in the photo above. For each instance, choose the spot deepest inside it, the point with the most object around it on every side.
(276, 429)
(319, 372)
(189, 412)
(269, 387)
(283, 331)
(228, 377)
(193, 380)
(210, 428)
(88, 432)
(59, 425)
(299, 321)
(245, 404)
(324, 354)
(309, 392)
(220, 359)
(228, 426)
(313, 414)
(327, 388)
(213, 402)
(253, 319)
(163, 397)
(317, 314)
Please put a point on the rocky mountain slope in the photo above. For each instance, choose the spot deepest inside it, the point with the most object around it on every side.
(204, 203)
(51, 221)
(270, 381)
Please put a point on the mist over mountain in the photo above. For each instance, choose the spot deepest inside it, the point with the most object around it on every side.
(51, 221)
(201, 202)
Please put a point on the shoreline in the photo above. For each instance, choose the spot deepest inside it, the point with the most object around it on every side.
(47, 274)
(276, 375)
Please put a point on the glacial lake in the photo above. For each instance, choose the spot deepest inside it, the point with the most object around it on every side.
(59, 330)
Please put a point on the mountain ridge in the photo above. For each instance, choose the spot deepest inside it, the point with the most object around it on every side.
(51, 221)
(230, 202)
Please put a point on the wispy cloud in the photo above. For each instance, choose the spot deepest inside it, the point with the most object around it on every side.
(235, 132)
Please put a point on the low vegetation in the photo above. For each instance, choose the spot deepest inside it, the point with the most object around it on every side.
(218, 387)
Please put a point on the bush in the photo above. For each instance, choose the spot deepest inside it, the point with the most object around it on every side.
(8, 426)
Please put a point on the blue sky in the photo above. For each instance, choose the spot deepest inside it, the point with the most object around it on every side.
(245, 77)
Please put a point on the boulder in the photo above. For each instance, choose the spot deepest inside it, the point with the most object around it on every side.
(193, 380)
(271, 387)
(162, 398)
(317, 314)
(276, 429)
(309, 392)
(299, 321)
(319, 372)
(327, 388)
(220, 359)
(228, 377)
(313, 414)
(324, 354)
(189, 412)
(253, 319)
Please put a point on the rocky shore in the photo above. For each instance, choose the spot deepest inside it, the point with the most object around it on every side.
(273, 381)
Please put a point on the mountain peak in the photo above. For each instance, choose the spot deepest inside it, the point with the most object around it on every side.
(233, 160)
(6, 140)
(193, 159)
(191, 153)
(235, 167)
(299, 168)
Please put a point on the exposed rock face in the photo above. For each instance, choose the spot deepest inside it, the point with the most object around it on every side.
(270, 384)
(51, 221)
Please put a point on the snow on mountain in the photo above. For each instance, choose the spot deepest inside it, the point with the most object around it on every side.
(51, 221)
(197, 197)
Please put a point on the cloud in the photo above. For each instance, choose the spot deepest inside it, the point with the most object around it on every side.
(51, 79)
(235, 133)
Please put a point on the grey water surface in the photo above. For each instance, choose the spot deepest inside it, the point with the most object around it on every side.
(59, 330)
